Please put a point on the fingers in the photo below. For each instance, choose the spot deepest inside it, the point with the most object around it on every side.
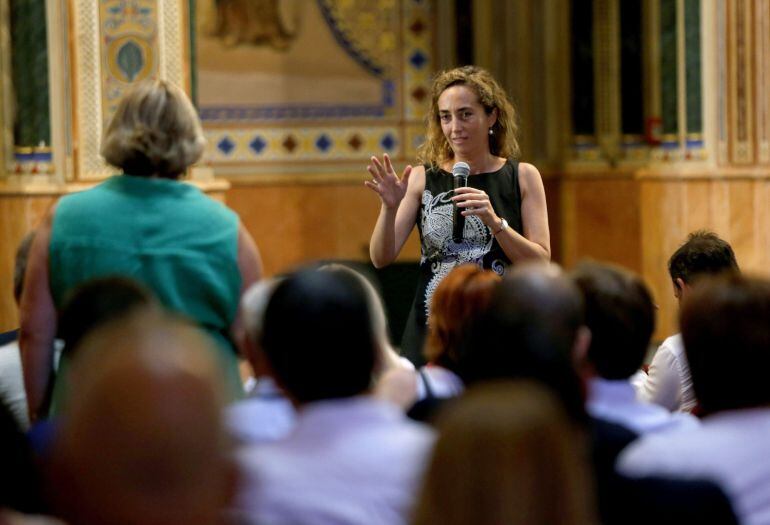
(372, 186)
(467, 189)
(405, 175)
(376, 169)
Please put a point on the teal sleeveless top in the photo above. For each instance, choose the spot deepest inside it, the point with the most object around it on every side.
(165, 234)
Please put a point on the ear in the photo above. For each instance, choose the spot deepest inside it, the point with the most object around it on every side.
(679, 288)
(492, 118)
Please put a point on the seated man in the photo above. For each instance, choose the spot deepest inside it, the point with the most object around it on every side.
(11, 378)
(621, 317)
(667, 381)
(141, 439)
(265, 414)
(726, 331)
(350, 458)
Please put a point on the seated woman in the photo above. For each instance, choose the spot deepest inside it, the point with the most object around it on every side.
(507, 453)
(462, 296)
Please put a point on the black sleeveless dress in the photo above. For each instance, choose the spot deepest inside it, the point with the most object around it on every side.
(440, 254)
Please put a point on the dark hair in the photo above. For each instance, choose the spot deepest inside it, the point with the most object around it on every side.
(20, 483)
(20, 264)
(528, 332)
(620, 314)
(726, 331)
(703, 253)
(317, 336)
(97, 301)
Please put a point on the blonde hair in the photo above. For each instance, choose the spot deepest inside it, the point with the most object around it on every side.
(502, 143)
(155, 131)
(506, 452)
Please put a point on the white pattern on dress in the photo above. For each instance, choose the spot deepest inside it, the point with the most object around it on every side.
(439, 248)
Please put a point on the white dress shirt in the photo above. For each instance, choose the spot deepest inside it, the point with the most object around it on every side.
(348, 461)
(615, 401)
(730, 448)
(668, 382)
(12, 391)
(265, 415)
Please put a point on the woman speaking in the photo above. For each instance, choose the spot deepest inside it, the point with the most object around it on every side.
(501, 214)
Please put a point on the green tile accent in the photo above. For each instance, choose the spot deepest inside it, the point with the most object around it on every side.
(668, 87)
(582, 68)
(631, 68)
(693, 66)
(29, 50)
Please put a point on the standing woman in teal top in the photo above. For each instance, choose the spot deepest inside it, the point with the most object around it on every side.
(192, 251)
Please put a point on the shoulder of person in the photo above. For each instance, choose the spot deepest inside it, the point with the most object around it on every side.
(529, 177)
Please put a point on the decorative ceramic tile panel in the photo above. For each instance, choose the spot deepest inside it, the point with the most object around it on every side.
(242, 145)
(368, 62)
(118, 43)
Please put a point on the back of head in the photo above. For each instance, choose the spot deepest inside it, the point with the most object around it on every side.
(621, 316)
(726, 331)
(99, 301)
(379, 320)
(460, 297)
(507, 453)
(154, 131)
(318, 337)
(141, 440)
(704, 253)
(529, 331)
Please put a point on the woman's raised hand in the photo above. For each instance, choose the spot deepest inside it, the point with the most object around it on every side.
(386, 183)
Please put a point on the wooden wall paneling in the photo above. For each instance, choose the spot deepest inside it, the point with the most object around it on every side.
(601, 221)
(761, 223)
(741, 216)
(663, 230)
(19, 214)
(720, 208)
(568, 222)
(297, 224)
(696, 205)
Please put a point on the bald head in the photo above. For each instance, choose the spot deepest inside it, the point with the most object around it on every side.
(529, 331)
(141, 440)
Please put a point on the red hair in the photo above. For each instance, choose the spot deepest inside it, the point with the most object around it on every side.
(460, 297)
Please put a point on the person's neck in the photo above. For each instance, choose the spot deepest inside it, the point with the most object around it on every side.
(483, 162)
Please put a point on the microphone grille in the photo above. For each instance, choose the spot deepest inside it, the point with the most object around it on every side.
(461, 169)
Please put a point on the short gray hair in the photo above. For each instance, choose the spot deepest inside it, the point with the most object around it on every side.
(155, 131)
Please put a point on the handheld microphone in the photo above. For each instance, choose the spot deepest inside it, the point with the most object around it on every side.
(460, 172)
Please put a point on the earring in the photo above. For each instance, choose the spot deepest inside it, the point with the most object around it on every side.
(491, 131)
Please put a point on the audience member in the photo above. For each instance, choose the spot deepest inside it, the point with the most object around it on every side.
(533, 329)
(87, 307)
(667, 381)
(725, 326)
(620, 314)
(351, 458)
(507, 453)
(11, 377)
(390, 358)
(145, 223)
(266, 414)
(142, 440)
(460, 297)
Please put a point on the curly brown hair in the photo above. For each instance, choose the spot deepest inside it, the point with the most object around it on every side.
(502, 143)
